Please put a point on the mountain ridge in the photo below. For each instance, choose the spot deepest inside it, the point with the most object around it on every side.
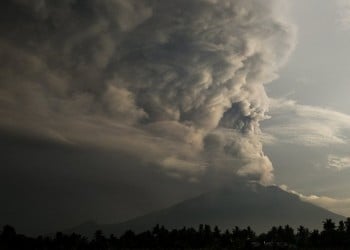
(254, 205)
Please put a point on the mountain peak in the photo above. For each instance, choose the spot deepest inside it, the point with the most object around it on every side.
(251, 204)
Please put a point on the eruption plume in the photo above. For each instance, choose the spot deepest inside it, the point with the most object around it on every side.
(180, 84)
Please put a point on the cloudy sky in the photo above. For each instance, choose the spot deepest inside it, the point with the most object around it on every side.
(110, 109)
(307, 137)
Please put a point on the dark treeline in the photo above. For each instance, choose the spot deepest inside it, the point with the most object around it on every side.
(333, 236)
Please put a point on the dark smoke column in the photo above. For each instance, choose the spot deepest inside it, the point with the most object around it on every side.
(177, 83)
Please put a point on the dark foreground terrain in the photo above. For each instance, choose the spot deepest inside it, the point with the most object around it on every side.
(332, 236)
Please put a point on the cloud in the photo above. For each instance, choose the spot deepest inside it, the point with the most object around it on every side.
(343, 14)
(173, 82)
(338, 162)
(338, 206)
(306, 125)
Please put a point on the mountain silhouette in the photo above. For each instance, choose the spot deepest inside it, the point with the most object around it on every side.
(251, 205)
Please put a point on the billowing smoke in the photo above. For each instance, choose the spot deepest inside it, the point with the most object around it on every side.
(179, 84)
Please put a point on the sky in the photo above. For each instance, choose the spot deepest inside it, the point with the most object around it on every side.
(307, 137)
(111, 109)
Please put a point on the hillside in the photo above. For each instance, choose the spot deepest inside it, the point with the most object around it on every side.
(247, 205)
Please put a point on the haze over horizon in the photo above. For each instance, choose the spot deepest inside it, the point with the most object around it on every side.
(112, 109)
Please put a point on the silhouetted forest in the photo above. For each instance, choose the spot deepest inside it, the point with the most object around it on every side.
(333, 236)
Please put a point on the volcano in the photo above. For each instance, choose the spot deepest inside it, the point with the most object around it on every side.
(254, 205)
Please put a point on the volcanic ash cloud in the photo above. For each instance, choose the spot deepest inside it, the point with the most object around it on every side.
(179, 84)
